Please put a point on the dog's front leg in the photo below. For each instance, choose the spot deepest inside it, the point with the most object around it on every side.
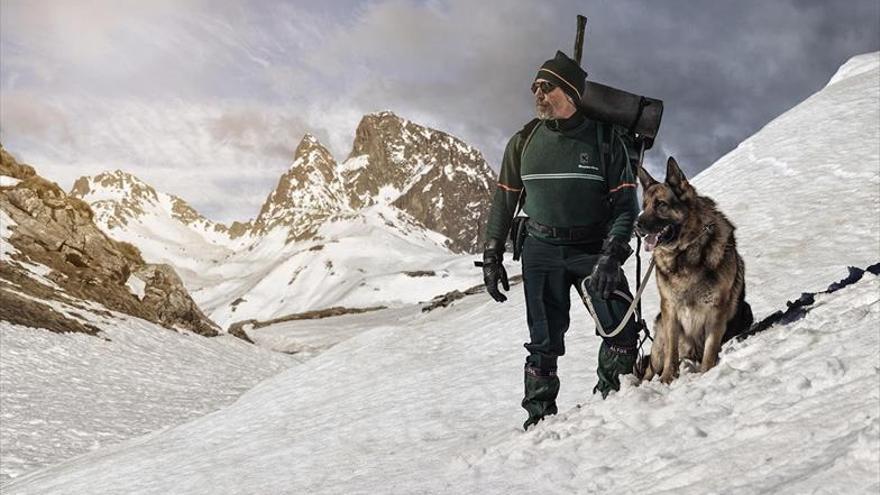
(673, 330)
(714, 333)
(655, 359)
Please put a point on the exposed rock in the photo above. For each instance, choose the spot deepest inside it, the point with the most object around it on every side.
(445, 300)
(438, 179)
(57, 230)
(421, 273)
(308, 315)
(19, 310)
(173, 305)
(306, 195)
(238, 331)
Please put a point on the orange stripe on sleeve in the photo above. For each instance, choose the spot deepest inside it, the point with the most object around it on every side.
(623, 186)
(508, 188)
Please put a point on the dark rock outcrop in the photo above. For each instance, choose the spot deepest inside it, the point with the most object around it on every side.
(165, 292)
(438, 179)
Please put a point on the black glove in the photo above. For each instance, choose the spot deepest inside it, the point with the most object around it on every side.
(606, 274)
(493, 269)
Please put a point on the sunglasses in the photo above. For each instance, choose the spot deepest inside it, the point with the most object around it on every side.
(544, 86)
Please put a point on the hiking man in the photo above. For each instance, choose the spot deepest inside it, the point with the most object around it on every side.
(577, 187)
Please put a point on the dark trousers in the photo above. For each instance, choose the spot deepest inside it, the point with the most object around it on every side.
(549, 272)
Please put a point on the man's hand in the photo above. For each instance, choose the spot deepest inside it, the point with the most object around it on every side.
(493, 269)
(605, 276)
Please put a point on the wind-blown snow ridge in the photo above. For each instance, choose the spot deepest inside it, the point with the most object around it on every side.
(867, 62)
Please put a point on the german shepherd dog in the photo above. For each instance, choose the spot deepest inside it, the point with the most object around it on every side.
(700, 275)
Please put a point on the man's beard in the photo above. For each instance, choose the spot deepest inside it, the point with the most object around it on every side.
(544, 112)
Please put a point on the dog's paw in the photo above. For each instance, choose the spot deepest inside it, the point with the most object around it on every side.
(688, 366)
(668, 375)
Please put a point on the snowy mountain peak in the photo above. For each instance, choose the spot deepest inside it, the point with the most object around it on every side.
(308, 137)
(113, 185)
(432, 175)
(119, 197)
(312, 152)
(309, 192)
(165, 227)
(130, 197)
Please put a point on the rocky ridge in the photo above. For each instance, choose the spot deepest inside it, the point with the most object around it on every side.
(307, 194)
(443, 183)
(118, 198)
(55, 232)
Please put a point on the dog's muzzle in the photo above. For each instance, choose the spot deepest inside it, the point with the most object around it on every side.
(655, 236)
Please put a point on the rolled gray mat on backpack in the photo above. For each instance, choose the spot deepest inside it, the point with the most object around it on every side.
(639, 114)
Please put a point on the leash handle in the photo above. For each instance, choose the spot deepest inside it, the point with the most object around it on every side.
(585, 297)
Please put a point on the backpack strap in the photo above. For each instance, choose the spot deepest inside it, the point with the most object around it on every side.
(605, 140)
(525, 135)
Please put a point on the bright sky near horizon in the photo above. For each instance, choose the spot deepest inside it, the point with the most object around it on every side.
(208, 99)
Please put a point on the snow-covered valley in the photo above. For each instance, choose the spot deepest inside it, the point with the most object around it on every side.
(405, 401)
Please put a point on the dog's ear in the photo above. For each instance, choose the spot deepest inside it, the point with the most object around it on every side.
(645, 178)
(676, 179)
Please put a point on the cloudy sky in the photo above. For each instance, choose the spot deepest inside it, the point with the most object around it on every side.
(208, 99)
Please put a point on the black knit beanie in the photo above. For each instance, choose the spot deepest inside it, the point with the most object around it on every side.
(565, 73)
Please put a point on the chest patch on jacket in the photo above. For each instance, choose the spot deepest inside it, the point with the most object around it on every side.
(585, 162)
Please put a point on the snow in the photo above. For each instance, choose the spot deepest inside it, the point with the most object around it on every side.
(66, 394)
(369, 252)
(860, 64)
(137, 286)
(354, 163)
(401, 401)
(429, 404)
(7, 181)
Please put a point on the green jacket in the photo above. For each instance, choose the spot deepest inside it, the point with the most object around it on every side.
(558, 168)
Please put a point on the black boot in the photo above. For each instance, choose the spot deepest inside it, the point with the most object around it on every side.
(613, 362)
(541, 389)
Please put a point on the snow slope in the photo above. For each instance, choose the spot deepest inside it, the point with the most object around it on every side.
(364, 259)
(804, 192)
(429, 402)
(404, 408)
(66, 394)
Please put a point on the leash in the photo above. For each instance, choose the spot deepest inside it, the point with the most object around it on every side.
(634, 302)
(582, 290)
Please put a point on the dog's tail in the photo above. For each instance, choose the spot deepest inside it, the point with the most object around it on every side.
(742, 320)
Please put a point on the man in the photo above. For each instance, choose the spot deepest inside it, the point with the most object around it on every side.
(580, 195)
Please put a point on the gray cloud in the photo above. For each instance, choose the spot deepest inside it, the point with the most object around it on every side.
(222, 91)
(723, 70)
